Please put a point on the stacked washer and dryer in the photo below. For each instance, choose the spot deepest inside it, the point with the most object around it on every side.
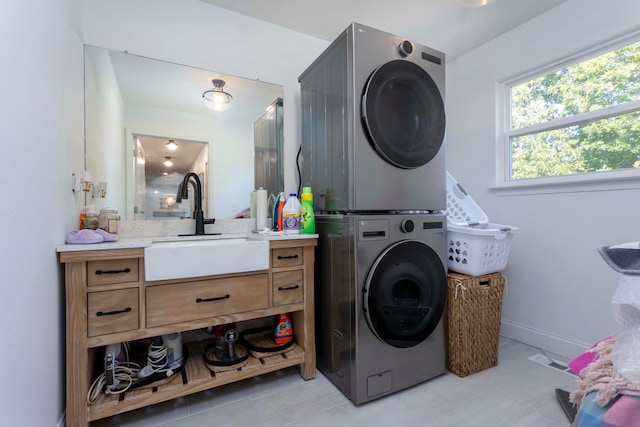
(373, 125)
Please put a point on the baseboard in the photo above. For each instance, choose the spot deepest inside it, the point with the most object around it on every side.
(541, 339)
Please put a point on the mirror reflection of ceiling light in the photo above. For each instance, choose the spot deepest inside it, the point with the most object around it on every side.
(217, 99)
(473, 3)
(167, 162)
(171, 145)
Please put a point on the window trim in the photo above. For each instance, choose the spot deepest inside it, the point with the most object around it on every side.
(590, 181)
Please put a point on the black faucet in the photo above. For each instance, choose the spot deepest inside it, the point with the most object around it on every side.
(198, 215)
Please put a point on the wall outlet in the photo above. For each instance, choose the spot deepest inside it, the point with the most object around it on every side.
(234, 206)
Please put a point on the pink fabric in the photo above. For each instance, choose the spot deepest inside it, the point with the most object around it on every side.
(625, 412)
(602, 377)
(584, 359)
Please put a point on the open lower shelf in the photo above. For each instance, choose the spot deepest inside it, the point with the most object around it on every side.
(193, 378)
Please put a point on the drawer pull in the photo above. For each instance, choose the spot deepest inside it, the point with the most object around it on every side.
(126, 270)
(227, 296)
(289, 288)
(287, 256)
(111, 313)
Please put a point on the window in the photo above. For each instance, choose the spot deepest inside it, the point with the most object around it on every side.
(580, 119)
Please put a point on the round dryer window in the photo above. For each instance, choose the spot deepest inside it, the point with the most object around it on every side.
(403, 113)
(405, 293)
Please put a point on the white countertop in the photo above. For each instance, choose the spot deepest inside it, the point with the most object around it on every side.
(142, 242)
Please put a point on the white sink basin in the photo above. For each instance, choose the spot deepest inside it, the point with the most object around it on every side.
(194, 258)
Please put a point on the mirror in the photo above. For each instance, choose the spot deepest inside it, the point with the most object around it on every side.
(133, 102)
(160, 166)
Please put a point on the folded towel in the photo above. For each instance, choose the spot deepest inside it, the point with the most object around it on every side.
(584, 359)
(108, 237)
(83, 237)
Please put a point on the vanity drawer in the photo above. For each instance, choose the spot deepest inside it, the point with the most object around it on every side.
(181, 302)
(112, 271)
(112, 311)
(287, 287)
(286, 257)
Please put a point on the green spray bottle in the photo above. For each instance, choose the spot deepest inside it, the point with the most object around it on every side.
(308, 222)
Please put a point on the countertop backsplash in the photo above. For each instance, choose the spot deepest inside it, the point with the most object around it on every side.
(160, 228)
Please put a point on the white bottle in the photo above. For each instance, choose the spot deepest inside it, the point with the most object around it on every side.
(173, 343)
(291, 215)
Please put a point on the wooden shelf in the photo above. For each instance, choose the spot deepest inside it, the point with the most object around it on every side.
(193, 378)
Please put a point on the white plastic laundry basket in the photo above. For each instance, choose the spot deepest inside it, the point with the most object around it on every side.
(474, 245)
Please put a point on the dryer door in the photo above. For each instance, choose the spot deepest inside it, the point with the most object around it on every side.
(403, 113)
(405, 293)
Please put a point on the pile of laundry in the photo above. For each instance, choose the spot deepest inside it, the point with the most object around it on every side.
(608, 392)
(604, 396)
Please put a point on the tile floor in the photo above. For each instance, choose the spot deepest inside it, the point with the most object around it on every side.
(517, 392)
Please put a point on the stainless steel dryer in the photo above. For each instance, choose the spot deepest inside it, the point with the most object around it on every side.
(373, 124)
(380, 297)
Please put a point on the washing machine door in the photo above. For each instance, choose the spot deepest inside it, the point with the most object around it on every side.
(403, 114)
(405, 293)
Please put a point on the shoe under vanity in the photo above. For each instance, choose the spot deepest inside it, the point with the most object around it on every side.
(109, 301)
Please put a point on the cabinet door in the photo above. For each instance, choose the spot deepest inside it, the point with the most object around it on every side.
(112, 271)
(181, 302)
(286, 257)
(109, 312)
(288, 287)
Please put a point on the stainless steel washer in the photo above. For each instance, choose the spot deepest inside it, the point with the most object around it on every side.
(373, 124)
(380, 297)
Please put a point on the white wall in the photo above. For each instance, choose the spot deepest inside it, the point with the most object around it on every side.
(197, 34)
(559, 288)
(41, 129)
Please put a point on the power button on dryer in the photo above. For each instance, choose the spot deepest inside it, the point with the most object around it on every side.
(406, 226)
(405, 48)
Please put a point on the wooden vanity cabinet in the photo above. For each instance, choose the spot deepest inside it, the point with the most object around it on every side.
(108, 301)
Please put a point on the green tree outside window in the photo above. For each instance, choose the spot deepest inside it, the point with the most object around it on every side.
(579, 119)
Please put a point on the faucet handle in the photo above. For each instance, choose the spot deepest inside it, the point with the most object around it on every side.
(209, 221)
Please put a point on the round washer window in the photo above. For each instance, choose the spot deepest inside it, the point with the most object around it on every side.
(403, 113)
(405, 294)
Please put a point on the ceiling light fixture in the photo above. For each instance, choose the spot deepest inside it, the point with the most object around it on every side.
(171, 145)
(217, 99)
(473, 3)
(167, 162)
